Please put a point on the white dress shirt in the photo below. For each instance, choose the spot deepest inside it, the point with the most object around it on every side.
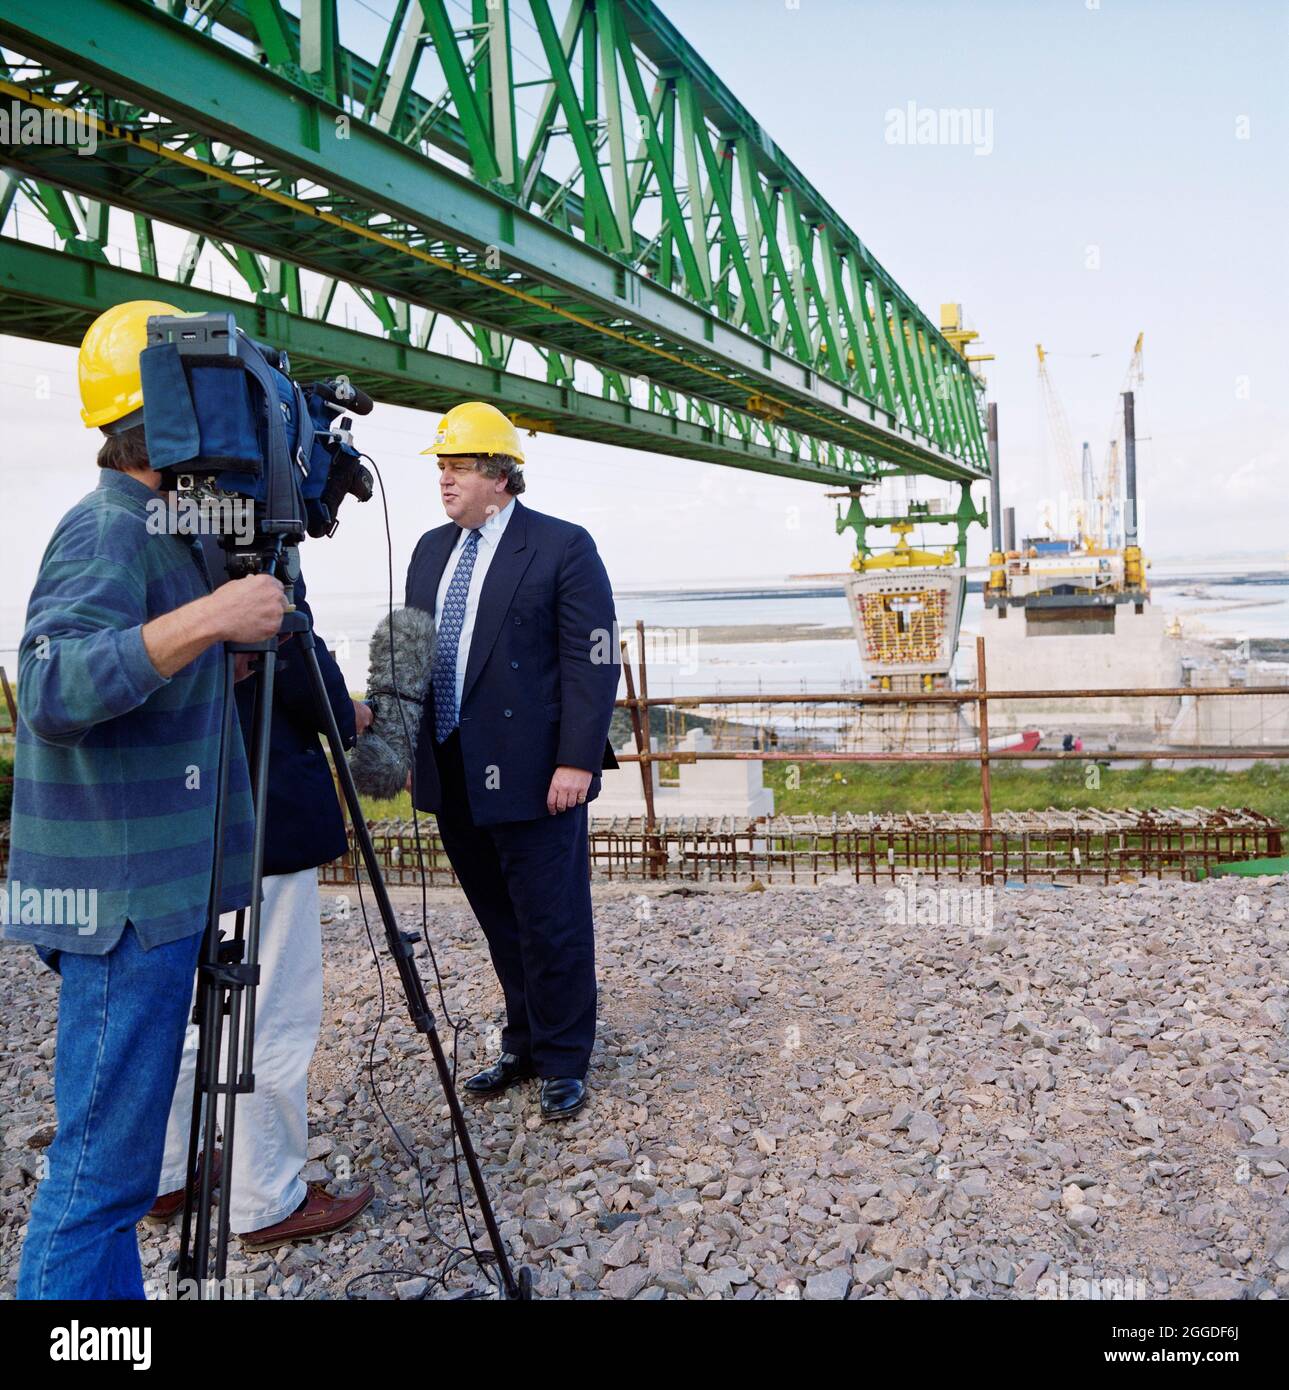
(490, 534)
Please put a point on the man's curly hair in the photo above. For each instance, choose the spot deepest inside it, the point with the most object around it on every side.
(502, 465)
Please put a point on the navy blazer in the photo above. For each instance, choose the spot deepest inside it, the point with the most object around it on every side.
(305, 825)
(542, 673)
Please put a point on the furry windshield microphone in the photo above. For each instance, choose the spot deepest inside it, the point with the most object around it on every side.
(398, 675)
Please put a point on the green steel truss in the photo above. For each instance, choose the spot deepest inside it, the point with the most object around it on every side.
(570, 177)
(42, 297)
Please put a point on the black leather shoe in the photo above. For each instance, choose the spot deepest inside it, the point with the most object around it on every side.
(562, 1096)
(504, 1072)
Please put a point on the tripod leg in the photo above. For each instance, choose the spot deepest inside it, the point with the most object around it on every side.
(227, 971)
(240, 1076)
(413, 986)
(195, 1236)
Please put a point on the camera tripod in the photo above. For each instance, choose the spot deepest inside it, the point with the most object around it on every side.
(228, 973)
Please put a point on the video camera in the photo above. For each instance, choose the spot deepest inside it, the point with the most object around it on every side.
(226, 423)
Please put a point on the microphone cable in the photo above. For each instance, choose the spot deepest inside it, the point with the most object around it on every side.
(457, 1255)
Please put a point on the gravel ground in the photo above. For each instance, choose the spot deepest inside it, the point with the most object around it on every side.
(798, 1093)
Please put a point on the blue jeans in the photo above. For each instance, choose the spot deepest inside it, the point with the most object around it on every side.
(121, 1020)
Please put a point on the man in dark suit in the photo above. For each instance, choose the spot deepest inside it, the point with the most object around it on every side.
(512, 740)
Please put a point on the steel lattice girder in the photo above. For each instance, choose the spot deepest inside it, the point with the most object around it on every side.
(811, 330)
(44, 296)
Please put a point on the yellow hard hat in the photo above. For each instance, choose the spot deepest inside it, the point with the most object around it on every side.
(475, 427)
(108, 365)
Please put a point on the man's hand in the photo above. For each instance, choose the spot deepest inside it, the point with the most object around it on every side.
(250, 609)
(362, 716)
(568, 789)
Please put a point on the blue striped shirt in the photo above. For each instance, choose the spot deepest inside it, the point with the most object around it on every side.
(115, 766)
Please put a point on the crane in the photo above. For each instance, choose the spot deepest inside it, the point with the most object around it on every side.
(1112, 505)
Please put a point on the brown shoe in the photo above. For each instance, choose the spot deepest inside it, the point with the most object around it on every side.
(169, 1204)
(320, 1214)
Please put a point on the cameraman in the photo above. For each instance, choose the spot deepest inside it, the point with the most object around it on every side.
(121, 702)
(270, 1204)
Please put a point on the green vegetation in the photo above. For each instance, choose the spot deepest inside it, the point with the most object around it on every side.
(828, 787)
(400, 808)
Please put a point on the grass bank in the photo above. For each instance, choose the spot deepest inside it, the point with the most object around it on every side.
(950, 787)
(824, 789)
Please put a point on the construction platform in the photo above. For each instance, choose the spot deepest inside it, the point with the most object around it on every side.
(1066, 846)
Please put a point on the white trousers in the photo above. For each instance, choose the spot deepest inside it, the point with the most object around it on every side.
(272, 1138)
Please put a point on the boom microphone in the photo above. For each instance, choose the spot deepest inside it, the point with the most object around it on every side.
(398, 675)
(344, 394)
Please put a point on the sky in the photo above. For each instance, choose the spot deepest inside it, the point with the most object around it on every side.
(1128, 175)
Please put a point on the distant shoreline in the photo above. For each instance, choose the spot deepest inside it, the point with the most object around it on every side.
(719, 633)
(817, 586)
(723, 634)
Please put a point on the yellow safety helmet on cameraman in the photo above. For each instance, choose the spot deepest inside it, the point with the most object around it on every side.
(476, 428)
(108, 365)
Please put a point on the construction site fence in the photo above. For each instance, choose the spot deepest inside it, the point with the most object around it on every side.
(1083, 846)
(1074, 845)
(1070, 845)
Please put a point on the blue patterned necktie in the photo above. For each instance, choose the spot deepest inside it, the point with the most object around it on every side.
(443, 669)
